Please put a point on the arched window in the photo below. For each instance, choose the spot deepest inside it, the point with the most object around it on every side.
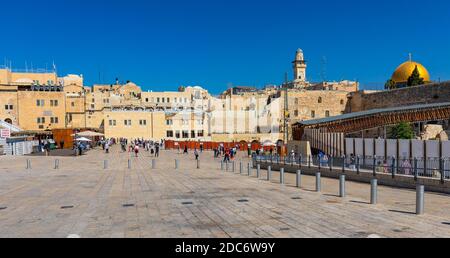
(342, 102)
(320, 100)
(9, 121)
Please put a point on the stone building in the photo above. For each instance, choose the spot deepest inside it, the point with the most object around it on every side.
(38, 101)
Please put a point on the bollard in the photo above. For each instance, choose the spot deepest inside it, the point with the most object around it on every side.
(153, 163)
(342, 186)
(358, 167)
(241, 168)
(331, 163)
(318, 182)
(227, 166)
(57, 164)
(394, 167)
(420, 199)
(282, 176)
(221, 165)
(374, 167)
(129, 164)
(416, 171)
(249, 170)
(374, 191)
(177, 164)
(28, 164)
(299, 179)
(105, 164)
(258, 171)
(269, 173)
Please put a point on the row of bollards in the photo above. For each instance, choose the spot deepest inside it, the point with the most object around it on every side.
(420, 191)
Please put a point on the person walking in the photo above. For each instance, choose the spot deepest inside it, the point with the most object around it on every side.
(196, 154)
(136, 150)
(157, 150)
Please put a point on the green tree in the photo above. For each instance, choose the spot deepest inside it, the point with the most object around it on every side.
(415, 79)
(403, 131)
(390, 85)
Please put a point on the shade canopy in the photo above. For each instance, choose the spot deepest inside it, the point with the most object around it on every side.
(269, 144)
(88, 134)
(83, 139)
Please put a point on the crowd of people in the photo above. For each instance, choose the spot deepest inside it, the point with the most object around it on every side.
(133, 146)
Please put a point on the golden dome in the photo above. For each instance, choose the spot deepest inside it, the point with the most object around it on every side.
(404, 71)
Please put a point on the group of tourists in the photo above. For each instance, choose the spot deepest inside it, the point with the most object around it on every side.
(136, 145)
(228, 154)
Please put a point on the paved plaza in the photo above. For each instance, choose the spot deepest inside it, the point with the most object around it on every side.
(82, 198)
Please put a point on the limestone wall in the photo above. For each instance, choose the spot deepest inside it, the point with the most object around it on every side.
(425, 94)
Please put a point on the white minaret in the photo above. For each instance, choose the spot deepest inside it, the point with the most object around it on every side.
(299, 67)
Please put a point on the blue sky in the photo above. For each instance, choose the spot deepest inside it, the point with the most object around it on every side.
(161, 44)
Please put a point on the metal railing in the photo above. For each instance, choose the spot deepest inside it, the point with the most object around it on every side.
(416, 167)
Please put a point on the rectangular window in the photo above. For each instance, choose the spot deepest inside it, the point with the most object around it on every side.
(177, 134)
(41, 120)
(327, 113)
(92, 106)
(9, 107)
(146, 100)
(200, 133)
(169, 134)
(93, 100)
(163, 100)
(73, 104)
(127, 122)
(192, 134)
(157, 100)
(175, 100)
(185, 134)
(296, 113)
(143, 122)
(40, 102)
(168, 100)
(169, 122)
(296, 101)
(53, 103)
(54, 120)
(313, 114)
(112, 122)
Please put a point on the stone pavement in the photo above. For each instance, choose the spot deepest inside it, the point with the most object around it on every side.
(83, 199)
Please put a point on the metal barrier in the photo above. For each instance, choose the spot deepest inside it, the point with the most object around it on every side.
(429, 168)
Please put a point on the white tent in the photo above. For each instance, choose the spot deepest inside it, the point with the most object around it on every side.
(88, 134)
(83, 139)
(269, 144)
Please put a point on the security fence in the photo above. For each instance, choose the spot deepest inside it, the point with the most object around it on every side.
(418, 167)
